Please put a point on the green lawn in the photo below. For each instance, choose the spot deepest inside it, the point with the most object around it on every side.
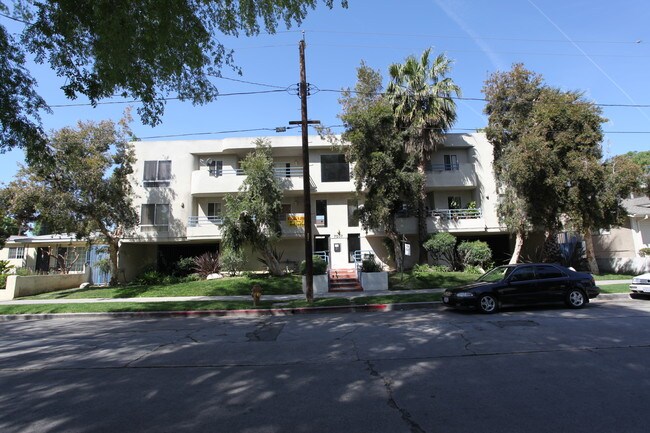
(229, 286)
(614, 288)
(606, 277)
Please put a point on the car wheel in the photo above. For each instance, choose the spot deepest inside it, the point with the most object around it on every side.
(576, 298)
(488, 304)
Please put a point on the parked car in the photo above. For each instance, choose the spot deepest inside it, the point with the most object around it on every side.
(526, 283)
(640, 286)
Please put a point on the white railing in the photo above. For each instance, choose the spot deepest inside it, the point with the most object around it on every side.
(455, 214)
(195, 221)
(323, 255)
(278, 172)
(443, 167)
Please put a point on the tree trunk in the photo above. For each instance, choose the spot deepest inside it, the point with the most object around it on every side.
(113, 248)
(519, 243)
(589, 250)
(422, 216)
(272, 262)
(397, 249)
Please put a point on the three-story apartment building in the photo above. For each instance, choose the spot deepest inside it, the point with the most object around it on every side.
(180, 189)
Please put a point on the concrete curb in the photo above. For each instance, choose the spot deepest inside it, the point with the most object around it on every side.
(370, 308)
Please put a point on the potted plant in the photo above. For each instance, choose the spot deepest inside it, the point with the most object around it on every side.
(321, 277)
(373, 276)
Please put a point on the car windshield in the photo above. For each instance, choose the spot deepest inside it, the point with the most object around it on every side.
(496, 274)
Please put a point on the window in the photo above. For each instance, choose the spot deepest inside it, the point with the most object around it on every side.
(157, 173)
(72, 258)
(214, 211)
(523, 274)
(334, 168)
(215, 168)
(353, 215)
(547, 271)
(16, 252)
(321, 213)
(154, 215)
(354, 244)
(451, 162)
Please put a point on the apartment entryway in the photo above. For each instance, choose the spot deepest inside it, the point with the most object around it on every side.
(344, 280)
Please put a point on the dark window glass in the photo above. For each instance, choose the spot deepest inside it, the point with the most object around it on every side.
(353, 217)
(523, 274)
(549, 272)
(150, 170)
(164, 170)
(321, 213)
(147, 214)
(154, 214)
(354, 244)
(334, 168)
(451, 162)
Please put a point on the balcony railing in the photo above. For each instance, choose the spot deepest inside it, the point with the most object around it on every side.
(196, 221)
(446, 214)
(278, 172)
(443, 167)
(455, 214)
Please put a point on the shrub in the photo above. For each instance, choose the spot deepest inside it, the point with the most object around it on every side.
(426, 269)
(24, 272)
(370, 265)
(5, 267)
(3, 281)
(320, 266)
(232, 261)
(149, 277)
(104, 265)
(474, 270)
(184, 266)
(643, 252)
(206, 264)
(476, 253)
(442, 246)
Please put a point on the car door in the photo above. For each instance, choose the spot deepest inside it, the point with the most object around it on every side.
(520, 287)
(552, 283)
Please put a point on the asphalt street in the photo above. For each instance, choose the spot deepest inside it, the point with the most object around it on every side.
(432, 370)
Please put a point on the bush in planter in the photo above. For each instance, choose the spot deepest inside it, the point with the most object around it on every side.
(320, 266)
(370, 265)
(476, 253)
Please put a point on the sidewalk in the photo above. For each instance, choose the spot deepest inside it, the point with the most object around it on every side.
(276, 298)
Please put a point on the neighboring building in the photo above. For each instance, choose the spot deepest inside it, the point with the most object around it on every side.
(38, 254)
(180, 188)
(617, 249)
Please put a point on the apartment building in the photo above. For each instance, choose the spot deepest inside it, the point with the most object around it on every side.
(180, 188)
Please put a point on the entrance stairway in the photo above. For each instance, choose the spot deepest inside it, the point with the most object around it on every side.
(344, 280)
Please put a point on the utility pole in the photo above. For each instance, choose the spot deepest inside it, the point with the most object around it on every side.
(306, 184)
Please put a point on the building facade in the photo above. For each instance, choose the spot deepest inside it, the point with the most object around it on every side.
(180, 187)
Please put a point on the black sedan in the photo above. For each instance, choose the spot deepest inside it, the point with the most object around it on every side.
(529, 283)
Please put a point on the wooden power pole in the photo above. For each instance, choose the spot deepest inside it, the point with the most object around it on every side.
(304, 122)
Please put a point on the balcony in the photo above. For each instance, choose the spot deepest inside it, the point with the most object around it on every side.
(204, 227)
(229, 180)
(445, 176)
(452, 220)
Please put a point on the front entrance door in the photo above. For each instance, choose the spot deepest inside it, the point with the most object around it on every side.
(42, 260)
(322, 244)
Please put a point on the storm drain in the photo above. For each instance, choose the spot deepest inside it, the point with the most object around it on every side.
(514, 323)
(266, 332)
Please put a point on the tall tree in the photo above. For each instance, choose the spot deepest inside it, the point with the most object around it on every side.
(84, 187)
(642, 159)
(140, 49)
(510, 100)
(252, 217)
(421, 95)
(383, 172)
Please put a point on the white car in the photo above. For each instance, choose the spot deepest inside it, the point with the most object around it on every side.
(640, 285)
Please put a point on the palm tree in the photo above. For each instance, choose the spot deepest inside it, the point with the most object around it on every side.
(421, 95)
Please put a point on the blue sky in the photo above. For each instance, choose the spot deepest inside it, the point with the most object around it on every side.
(599, 47)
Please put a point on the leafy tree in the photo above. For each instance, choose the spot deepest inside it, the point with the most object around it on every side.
(252, 217)
(475, 253)
(84, 187)
(442, 246)
(510, 98)
(140, 49)
(642, 159)
(382, 170)
(421, 96)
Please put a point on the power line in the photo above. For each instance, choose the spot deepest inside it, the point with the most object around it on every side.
(188, 134)
(18, 20)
